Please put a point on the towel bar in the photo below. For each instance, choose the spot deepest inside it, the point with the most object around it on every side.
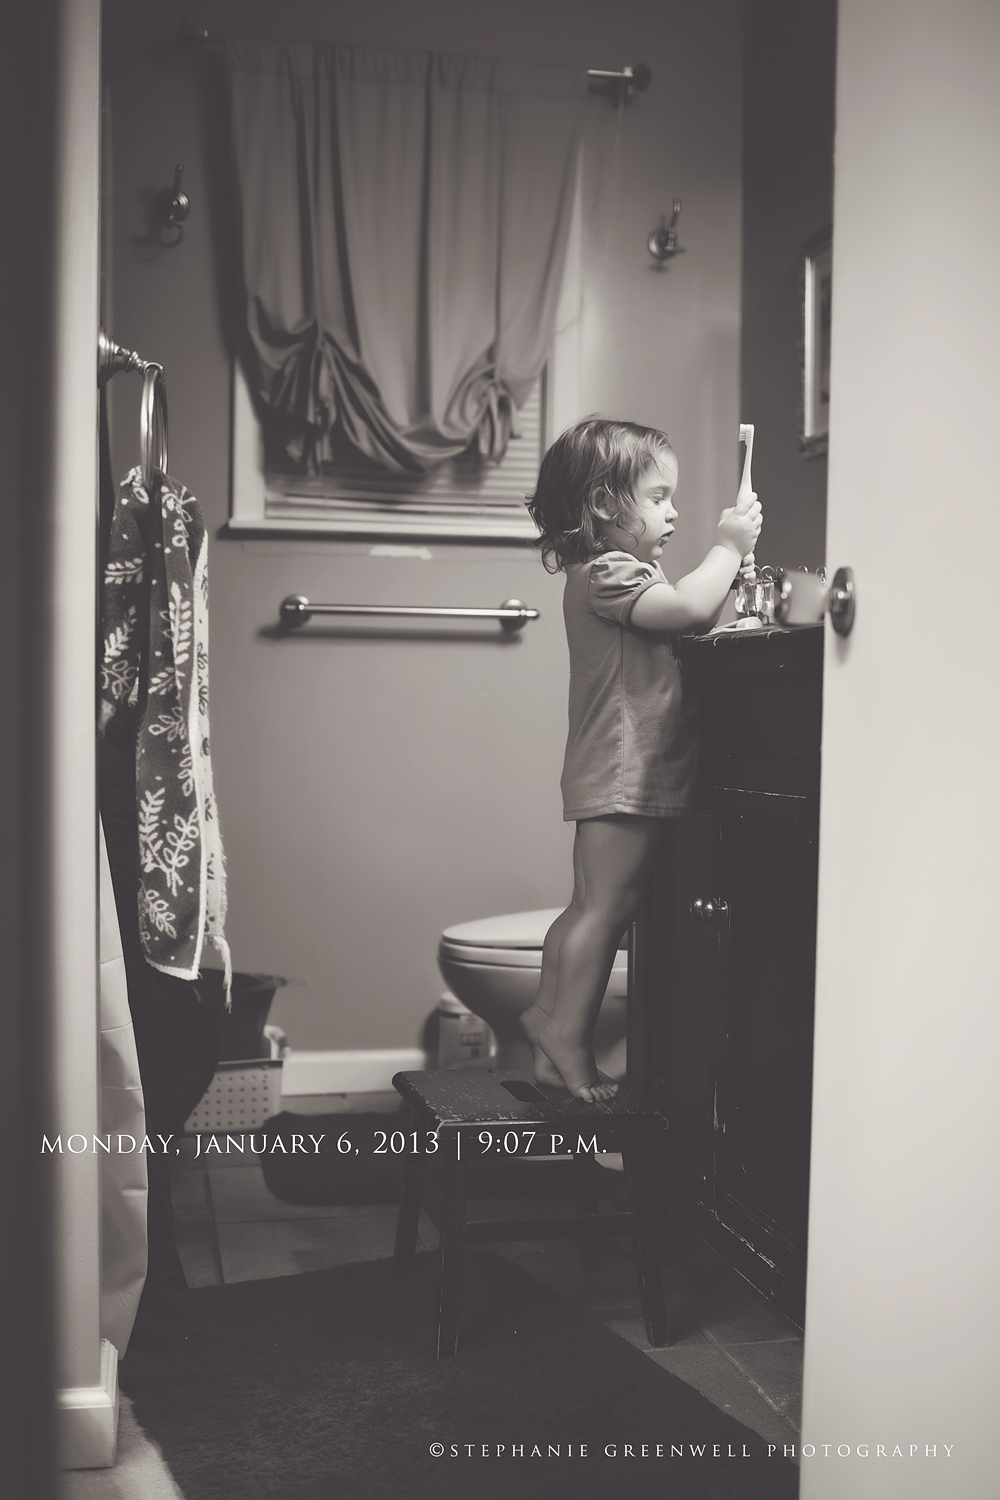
(112, 359)
(512, 614)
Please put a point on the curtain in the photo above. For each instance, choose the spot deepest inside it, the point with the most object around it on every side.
(404, 222)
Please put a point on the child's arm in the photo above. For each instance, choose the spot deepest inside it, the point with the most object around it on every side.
(696, 598)
(747, 570)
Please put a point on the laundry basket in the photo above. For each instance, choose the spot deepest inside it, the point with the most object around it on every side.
(243, 1093)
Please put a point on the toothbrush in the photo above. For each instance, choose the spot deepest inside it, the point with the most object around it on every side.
(746, 483)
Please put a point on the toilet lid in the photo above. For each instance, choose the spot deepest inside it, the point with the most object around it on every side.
(520, 929)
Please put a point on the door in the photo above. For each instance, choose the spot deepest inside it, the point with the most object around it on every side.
(902, 1308)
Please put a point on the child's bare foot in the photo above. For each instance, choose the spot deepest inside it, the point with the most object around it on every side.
(532, 1021)
(574, 1060)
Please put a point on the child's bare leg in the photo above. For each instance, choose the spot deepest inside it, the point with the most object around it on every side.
(536, 1016)
(615, 854)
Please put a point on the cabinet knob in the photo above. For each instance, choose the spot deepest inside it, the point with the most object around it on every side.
(706, 910)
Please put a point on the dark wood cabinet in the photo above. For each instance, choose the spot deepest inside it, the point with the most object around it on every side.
(723, 966)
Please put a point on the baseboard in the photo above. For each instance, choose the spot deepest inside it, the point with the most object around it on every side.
(87, 1418)
(347, 1072)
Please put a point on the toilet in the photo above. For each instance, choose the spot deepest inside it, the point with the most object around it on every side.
(493, 966)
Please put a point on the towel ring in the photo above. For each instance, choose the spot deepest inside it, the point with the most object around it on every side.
(153, 424)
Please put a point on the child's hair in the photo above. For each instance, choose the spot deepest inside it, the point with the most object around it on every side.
(587, 479)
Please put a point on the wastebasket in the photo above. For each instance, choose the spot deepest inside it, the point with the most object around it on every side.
(240, 1029)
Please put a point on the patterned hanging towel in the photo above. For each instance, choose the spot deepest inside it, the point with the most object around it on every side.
(154, 614)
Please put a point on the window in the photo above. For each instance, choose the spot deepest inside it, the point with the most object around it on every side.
(465, 499)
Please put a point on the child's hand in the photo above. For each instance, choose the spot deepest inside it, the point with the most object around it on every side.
(739, 527)
(748, 566)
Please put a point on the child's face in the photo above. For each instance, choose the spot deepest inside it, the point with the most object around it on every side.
(649, 526)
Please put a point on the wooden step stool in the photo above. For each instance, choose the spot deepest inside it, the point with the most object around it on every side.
(521, 1118)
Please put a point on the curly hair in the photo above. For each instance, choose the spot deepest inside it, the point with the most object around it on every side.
(586, 480)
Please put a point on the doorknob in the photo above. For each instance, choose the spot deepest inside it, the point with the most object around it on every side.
(841, 601)
(706, 910)
(803, 599)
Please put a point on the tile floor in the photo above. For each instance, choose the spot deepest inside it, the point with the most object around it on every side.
(727, 1341)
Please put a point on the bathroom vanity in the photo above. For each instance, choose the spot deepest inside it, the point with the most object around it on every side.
(721, 1003)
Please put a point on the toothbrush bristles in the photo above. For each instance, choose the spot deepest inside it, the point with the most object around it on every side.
(746, 431)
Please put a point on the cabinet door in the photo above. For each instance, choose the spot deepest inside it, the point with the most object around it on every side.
(765, 873)
(721, 1027)
(672, 1047)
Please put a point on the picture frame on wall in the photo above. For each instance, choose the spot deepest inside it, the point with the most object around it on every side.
(816, 284)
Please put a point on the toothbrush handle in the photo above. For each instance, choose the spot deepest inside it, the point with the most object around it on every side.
(746, 483)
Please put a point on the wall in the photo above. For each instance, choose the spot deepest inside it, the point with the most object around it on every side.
(375, 789)
(47, 401)
(788, 110)
(903, 1311)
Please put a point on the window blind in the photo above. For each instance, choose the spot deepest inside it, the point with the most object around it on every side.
(467, 495)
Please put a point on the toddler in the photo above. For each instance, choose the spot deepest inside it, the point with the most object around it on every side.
(604, 508)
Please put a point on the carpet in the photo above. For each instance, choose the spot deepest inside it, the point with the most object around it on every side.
(322, 1387)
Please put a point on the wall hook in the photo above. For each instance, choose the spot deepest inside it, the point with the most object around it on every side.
(662, 242)
(170, 209)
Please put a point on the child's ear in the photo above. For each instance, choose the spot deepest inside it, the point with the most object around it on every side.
(603, 506)
(605, 509)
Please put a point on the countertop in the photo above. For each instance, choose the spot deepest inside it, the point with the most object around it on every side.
(771, 649)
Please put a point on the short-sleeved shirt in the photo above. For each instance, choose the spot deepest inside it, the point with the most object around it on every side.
(633, 739)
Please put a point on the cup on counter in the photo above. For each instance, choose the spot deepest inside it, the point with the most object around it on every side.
(765, 595)
(755, 596)
(746, 598)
